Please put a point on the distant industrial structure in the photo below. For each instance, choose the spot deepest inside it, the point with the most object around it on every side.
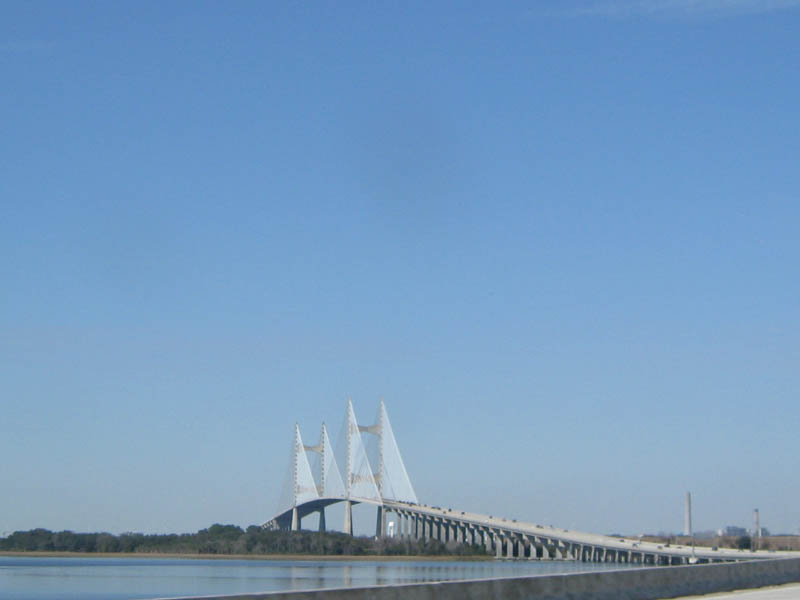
(687, 518)
(756, 537)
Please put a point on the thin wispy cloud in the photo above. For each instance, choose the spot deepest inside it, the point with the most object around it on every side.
(678, 8)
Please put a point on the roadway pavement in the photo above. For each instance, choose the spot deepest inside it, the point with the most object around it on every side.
(789, 591)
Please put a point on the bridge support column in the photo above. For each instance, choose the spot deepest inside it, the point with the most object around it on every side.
(348, 517)
(295, 520)
(545, 551)
(401, 525)
(498, 547)
(558, 551)
(509, 547)
(380, 525)
(322, 519)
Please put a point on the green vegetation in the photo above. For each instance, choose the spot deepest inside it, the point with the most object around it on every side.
(230, 539)
(744, 542)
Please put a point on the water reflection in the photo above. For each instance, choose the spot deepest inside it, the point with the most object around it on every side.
(30, 578)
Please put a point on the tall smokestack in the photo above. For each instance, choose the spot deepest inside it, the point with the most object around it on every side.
(756, 530)
(687, 518)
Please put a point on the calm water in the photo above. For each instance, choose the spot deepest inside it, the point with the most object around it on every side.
(29, 578)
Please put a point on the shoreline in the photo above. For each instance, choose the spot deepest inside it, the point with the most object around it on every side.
(270, 557)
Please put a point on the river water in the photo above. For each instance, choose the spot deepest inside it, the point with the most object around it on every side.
(37, 578)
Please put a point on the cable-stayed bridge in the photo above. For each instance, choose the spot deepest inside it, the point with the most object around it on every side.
(380, 478)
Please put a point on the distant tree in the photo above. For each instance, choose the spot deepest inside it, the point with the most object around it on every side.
(743, 542)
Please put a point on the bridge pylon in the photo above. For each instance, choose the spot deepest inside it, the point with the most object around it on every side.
(312, 489)
(328, 479)
(392, 478)
(301, 486)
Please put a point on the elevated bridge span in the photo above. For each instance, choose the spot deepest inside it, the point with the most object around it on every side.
(513, 539)
(384, 483)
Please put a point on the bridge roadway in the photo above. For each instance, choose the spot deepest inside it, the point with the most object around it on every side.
(509, 538)
(516, 539)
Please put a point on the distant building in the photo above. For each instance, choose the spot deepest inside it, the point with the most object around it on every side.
(732, 530)
(705, 535)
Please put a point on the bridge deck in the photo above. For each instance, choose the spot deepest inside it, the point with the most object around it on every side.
(577, 537)
(520, 530)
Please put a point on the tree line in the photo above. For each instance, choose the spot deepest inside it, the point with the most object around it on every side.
(231, 539)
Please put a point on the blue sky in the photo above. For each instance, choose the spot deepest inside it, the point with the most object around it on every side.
(559, 238)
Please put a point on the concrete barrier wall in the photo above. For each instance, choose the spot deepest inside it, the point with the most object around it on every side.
(629, 584)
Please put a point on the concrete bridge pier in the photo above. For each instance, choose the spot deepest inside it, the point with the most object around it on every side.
(380, 525)
(531, 549)
(485, 539)
(545, 550)
(560, 551)
(405, 526)
(348, 517)
(509, 547)
(322, 519)
(399, 524)
(295, 520)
